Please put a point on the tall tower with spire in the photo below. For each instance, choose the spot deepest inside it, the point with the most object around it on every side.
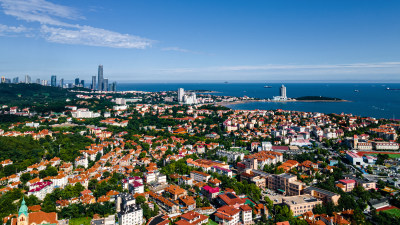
(100, 85)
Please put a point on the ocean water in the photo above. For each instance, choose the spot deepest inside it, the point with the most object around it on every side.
(371, 100)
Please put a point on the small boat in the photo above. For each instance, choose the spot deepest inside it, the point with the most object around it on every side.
(356, 90)
(393, 89)
(266, 86)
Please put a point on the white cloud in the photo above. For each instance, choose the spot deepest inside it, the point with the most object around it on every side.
(86, 35)
(175, 49)
(354, 68)
(11, 30)
(178, 49)
(40, 11)
(55, 30)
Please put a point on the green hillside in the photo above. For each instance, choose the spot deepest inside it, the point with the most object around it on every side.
(38, 97)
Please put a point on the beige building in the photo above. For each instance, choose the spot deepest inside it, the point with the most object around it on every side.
(301, 204)
(324, 195)
(285, 183)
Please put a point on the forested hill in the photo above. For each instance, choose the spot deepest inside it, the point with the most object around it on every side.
(38, 97)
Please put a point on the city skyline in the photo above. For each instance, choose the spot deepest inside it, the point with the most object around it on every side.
(101, 85)
(202, 41)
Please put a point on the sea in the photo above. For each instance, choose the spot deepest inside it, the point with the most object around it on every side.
(364, 99)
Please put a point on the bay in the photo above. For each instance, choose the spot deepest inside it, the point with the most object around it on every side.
(372, 99)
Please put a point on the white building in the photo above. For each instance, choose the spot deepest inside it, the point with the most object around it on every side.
(32, 124)
(181, 93)
(84, 113)
(190, 99)
(41, 189)
(120, 101)
(282, 96)
(354, 158)
(82, 161)
(128, 212)
(136, 188)
(59, 181)
(120, 107)
(222, 171)
(266, 146)
(386, 146)
(232, 156)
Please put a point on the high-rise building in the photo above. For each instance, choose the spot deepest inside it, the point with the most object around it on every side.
(113, 86)
(181, 93)
(190, 98)
(16, 80)
(283, 92)
(83, 83)
(44, 82)
(105, 85)
(62, 82)
(3, 79)
(38, 81)
(76, 81)
(53, 80)
(94, 87)
(27, 79)
(100, 78)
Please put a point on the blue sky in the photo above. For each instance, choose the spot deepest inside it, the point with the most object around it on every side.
(203, 40)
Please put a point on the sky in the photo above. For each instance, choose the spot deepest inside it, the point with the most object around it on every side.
(203, 40)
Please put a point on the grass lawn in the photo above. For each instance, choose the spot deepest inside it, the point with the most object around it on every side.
(393, 156)
(395, 212)
(79, 221)
(212, 222)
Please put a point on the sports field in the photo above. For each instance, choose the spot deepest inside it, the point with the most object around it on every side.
(394, 211)
(80, 221)
(393, 156)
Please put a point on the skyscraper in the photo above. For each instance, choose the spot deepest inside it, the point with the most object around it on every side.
(94, 87)
(62, 83)
(16, 80)
(27, 79)
(38, 80)
(105, 85)
(76, 81)
(283, 92)
(113, 86)
(83, 83)
(181, 93)
(54, 81)
(3, 79)
(100, 78)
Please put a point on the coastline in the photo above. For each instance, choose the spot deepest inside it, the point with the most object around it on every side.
(226, 104)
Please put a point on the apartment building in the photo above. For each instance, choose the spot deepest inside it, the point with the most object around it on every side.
(199, 176)
(285, 183)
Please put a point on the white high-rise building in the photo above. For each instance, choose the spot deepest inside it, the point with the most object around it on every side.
(283, 92)
(190, 98)
(181, 93)
(27, 79)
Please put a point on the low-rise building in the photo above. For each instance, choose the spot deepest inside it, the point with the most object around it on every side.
(324, 195)
(199, 176)
(301, 203)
